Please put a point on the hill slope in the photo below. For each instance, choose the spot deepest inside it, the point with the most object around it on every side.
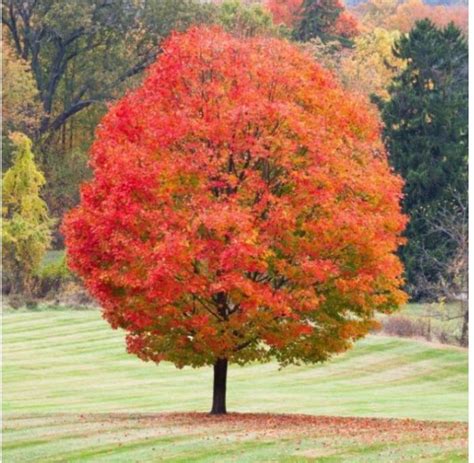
(54, 360)
(71, 393)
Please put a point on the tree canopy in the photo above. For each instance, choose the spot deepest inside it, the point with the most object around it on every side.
(426, 130)
(242, 208)
(105, 42)
(26, 225)
(326, 19)
(371, 66)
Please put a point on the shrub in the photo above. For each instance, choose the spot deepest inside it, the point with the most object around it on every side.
(53, 276)
(407, 327)
(428, 328)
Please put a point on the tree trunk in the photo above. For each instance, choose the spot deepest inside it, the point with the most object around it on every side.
(464, 341)
(220, 382)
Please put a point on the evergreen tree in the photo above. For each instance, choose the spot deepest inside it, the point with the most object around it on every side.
(426, 130)
(26, 225)
(319, 19)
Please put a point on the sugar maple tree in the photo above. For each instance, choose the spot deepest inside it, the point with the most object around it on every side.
(242, 209)
(345, 26)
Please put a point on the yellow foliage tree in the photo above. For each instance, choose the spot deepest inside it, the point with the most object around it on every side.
(370, 67)
(375, 13)
(20, 99)
(26, 231)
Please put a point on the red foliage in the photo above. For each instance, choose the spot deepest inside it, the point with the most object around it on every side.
(285, 11)
(242, 207)
(346, 25)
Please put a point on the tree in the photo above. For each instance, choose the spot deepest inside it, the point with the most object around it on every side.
(107, 42)
(242, 209)
(326, 19)
(285, 12)
(450, 226)
(20, 103)
(19, 94)
(371, 66)
(376, 13)
(402, 16)
(411, 11)
(26, 225)
(346, 26)
(329, 54)
(244, 20)
(426, 134)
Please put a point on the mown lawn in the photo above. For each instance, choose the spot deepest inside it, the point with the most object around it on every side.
(72, 393)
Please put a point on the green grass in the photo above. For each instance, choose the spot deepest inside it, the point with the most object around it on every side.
(434, 310)
(234, 438)
(59, 365)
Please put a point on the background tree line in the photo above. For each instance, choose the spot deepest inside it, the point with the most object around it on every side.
(64, 61)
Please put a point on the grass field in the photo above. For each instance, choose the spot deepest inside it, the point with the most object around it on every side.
(71, 393)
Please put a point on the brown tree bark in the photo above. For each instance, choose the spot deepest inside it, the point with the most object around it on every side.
(220, 385)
